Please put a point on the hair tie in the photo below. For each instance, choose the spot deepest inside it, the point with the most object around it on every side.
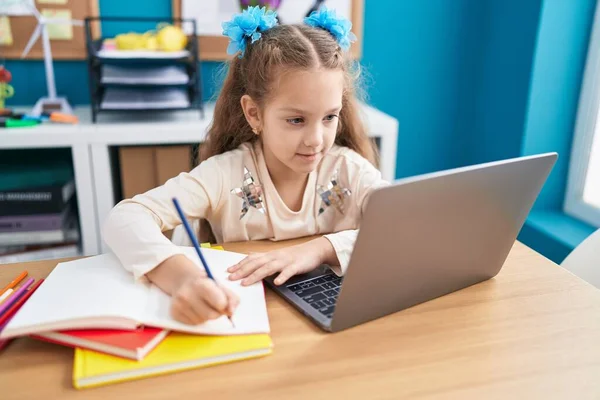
(249, 24)
(339, 27)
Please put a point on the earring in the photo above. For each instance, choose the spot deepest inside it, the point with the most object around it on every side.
(256, 132)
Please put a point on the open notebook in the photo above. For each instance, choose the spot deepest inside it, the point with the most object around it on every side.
(97, 292)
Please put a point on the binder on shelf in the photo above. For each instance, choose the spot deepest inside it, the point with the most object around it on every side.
(48, 199)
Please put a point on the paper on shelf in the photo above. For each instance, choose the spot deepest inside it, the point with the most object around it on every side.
(138, 99)
(167, 75)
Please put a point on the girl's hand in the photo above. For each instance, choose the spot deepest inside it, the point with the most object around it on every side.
(199, 299)
(195, 298)
(288, 262)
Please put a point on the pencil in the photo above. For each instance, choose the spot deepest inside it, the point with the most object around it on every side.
(17, 305)
(5, 295)
(14, 282)
(196, 245)
(15, 296)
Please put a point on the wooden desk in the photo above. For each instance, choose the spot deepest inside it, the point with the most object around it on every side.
(533, 332)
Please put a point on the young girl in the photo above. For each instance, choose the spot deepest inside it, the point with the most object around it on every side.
(287, 157)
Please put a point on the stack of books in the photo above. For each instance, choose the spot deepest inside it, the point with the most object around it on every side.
(38, 214)
(121, 329)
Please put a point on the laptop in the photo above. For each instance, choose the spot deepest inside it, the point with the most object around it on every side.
(421, 238)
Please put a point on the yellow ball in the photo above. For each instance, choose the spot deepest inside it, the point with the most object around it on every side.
(171, 38)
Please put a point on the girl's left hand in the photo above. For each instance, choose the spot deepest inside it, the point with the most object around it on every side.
(290, 261)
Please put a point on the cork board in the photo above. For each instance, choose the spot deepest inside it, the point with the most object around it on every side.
(214, 48)
(22, 28)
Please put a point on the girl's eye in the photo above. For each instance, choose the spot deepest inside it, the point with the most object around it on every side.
(295, 121)
(330, 117)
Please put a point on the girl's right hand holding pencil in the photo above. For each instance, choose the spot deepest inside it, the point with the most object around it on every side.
(195, 297)
(199, 299)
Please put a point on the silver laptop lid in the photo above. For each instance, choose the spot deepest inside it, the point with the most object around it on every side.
(427, 236)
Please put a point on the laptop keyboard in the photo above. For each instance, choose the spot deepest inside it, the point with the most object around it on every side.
(321, 293)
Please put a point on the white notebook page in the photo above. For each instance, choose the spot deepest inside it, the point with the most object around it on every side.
(249, 317)
(94, 287)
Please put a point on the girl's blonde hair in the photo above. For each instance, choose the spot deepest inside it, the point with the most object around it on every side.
(280, 49)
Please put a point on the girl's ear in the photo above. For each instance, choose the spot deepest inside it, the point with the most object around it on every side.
(251, 112)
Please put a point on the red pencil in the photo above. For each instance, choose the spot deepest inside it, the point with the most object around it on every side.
(15, 307)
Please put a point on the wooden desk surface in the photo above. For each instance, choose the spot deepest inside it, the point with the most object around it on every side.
(533, 332)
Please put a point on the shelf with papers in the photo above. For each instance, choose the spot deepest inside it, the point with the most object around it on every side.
(124, 81)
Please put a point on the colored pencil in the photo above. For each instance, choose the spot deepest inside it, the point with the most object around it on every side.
(14, 282)
(5, 318)
(5, 295)
(17, 305)
(15, 296)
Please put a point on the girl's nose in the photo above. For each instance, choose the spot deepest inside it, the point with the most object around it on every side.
(314, 138)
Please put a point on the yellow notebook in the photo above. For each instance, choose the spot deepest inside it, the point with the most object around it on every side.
(178, 352)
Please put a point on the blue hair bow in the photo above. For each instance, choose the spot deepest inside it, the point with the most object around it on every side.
(249, 24)
(339, 27)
